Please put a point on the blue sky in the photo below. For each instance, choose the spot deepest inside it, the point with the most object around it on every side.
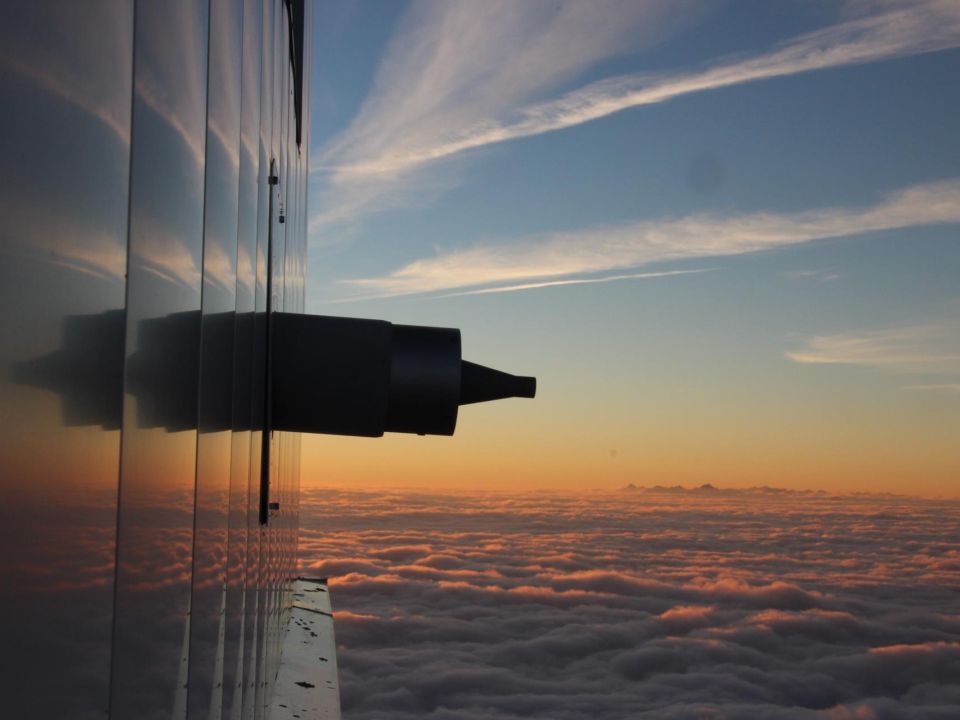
(726, 229)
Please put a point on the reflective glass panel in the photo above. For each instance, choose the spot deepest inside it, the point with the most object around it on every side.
(158, 460)
(65, 80)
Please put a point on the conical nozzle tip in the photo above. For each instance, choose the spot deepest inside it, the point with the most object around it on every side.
(480, 384)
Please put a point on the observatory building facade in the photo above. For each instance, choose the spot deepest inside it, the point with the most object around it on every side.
(153, 194)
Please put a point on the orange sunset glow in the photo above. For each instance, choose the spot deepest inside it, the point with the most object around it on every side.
(893, 460)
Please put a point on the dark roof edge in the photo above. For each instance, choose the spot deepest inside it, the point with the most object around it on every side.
(295, 18)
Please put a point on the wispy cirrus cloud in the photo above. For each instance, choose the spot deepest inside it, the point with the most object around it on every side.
(457, 78)
(549, 283)
(936, 387)
(818, 276)
(932, 347)
(524, 262)
(452, 67)
(582, 281)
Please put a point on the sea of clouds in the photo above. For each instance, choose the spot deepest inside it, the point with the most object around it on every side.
(640, 604)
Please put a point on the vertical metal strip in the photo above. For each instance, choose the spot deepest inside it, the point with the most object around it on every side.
(272, 181)
(123, 381)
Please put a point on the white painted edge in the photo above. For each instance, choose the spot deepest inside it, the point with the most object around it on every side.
(307, 686)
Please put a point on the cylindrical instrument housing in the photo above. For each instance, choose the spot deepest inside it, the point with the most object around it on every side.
(344, 376)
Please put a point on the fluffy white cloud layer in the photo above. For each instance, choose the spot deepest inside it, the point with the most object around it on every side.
(708, 604)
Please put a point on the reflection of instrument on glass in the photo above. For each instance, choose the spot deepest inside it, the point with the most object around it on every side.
(86, 371)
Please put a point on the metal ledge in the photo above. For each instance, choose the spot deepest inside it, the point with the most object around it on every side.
(307, 686)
